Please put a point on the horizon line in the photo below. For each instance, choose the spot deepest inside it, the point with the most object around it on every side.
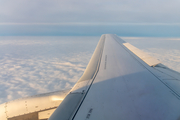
(86, 23)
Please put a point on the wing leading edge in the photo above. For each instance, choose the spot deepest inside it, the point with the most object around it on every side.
(122, 84)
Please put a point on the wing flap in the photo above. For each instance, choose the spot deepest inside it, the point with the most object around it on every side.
(32, 108)
(169, 77)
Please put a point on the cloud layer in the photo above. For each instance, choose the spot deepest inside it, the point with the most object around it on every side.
(24, 77)
(33, 11)
(165, 49)
(67, 17)
(33, 65)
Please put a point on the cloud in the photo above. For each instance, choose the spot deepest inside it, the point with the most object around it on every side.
(92, 29)
(24, 77)
(33, 65)
(164, 49)
(170, 58)
(68, 17)
(54, 11)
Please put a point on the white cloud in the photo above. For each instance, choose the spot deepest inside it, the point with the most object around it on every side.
(170, 58)
(33, 65)
(165, 49)
(33, 11)
(21, 78)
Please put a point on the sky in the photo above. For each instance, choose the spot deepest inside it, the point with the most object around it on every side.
(43, 64)
(158, 18)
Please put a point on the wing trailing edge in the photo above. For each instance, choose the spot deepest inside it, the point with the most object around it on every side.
(36, 107)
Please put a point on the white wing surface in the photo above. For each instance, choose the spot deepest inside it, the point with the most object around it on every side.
(122, 83)
(38, 107)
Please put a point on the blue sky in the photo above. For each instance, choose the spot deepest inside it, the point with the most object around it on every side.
(158, 18)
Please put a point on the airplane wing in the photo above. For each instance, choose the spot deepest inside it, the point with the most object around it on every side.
(120, 82)
(37, 107)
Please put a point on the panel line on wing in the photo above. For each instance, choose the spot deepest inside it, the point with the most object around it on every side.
(98, 66)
